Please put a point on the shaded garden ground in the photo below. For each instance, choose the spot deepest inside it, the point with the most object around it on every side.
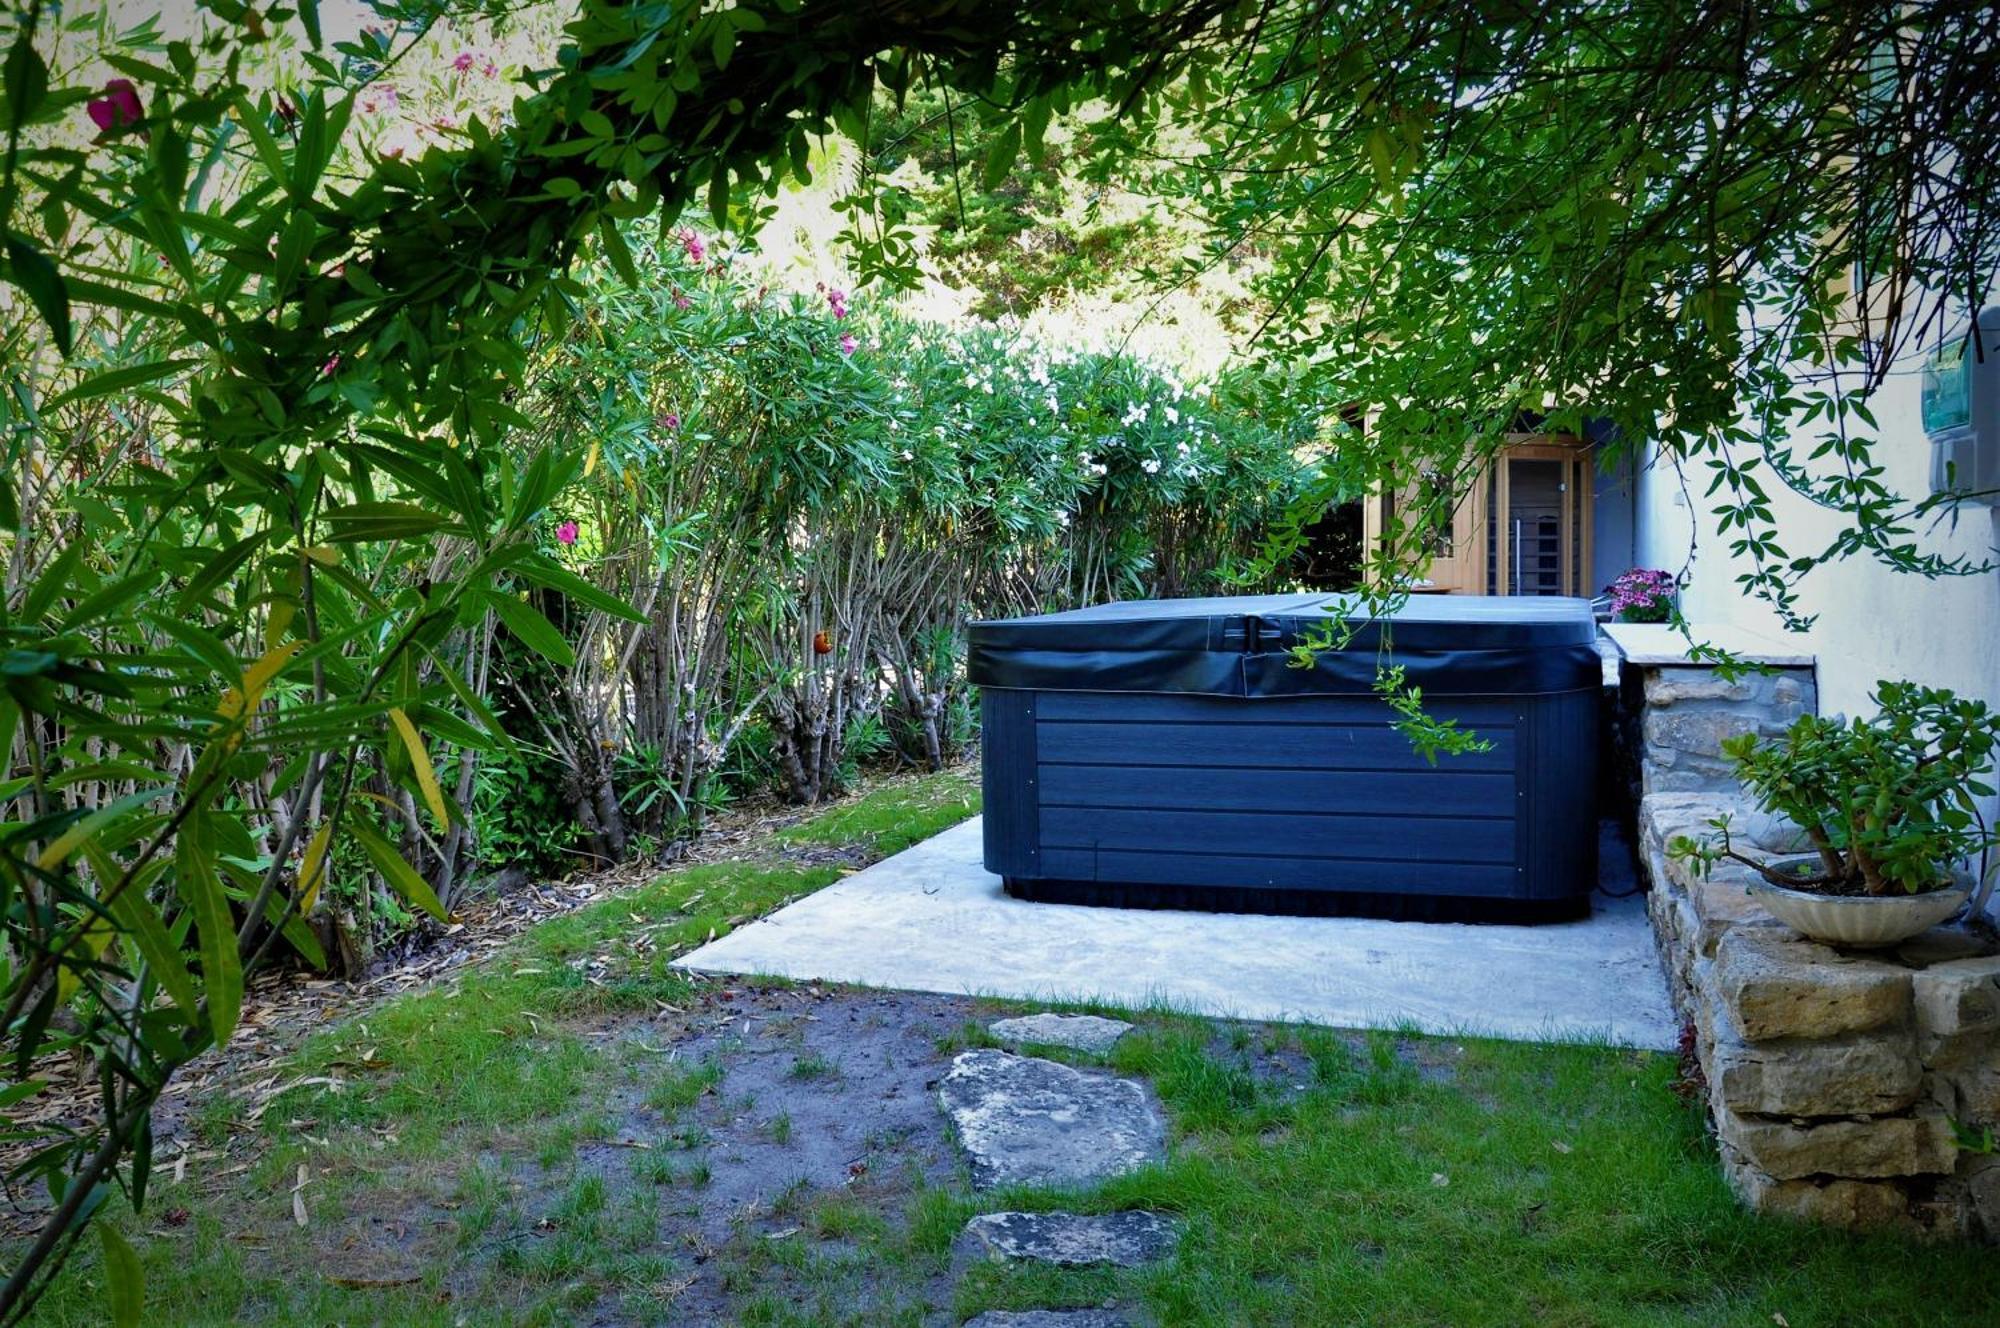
(572, 1132)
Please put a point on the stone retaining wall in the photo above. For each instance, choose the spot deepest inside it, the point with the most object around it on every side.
(1839, 1081)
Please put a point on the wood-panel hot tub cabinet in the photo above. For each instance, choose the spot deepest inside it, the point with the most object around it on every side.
(1168, 754)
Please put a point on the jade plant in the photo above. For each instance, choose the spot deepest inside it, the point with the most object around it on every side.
(1889, 803)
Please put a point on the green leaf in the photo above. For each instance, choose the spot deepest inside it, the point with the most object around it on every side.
(1035, 128)
(400, 875)
(200, 888)
(381, 521)
(30, 269)
(148, 932)
(1000, 157)
(124, 1279)
(617, 250)
(557, 577)
(27, 80)
(54, 580)
(718, 196)
(113, 381)
(309, 19)
(219, 569)
(536, 632)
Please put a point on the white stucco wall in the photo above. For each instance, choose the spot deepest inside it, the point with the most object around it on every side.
(1872, 622)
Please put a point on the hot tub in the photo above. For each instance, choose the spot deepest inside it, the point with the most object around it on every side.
(1168, 754)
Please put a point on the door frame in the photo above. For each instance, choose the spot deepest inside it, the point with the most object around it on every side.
(1487, 500)
(1579, 516)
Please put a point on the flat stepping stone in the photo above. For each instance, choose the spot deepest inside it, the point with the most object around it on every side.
(1078, 1032)
(1072, 1240)
(1028, 1121)
(1049, 1319)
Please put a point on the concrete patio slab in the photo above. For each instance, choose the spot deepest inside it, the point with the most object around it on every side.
(933, 919)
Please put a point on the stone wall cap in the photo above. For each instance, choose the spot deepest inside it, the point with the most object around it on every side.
(1660, 644)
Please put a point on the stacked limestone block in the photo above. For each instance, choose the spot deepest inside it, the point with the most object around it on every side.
(1689, 710)
(1834, 1077)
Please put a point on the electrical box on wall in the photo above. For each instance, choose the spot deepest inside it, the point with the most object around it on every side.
(1961, 409)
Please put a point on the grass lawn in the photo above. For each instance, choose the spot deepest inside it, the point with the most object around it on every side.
(574, 1133)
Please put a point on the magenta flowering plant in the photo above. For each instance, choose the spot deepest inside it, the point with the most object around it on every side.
(566, 532)
(1643, 595)
(118, 108)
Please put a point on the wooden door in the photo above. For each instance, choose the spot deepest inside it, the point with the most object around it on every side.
(1543, 540)
(1458, 551)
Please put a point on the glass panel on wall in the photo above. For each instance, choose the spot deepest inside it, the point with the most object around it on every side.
(1536, 494)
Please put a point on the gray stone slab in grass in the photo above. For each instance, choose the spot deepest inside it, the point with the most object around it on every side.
(1078, 1032)
(1074, 1240)
(1027, 1121)
(1049, 1319)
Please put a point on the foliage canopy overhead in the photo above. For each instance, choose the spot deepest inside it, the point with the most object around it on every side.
(1713, 225)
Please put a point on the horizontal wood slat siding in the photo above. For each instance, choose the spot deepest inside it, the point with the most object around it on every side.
(1276, 746)
(1418, 794)
(1008, 782)
(1297, 793)
(1559, 797)
(1127, 707)
(1313, 795)
(1231, 835)
(1304, 874)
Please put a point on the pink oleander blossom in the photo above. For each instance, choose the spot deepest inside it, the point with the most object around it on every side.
(118, 108)
(670, 422)
(692, 246)
(566, 533)
(848, 343)
(463, 62)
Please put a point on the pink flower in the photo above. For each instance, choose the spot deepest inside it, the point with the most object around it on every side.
(327, 370)
(463, 62)
(566, 532)
(681, 301)
(836, 300)
(670, 422)
(691, 244)
(489, 69)
(847, 343)
(118, 108)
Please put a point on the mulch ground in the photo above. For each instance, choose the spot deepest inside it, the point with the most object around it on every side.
(282, 1006)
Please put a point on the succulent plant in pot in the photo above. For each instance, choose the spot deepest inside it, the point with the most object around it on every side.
(1890, 805)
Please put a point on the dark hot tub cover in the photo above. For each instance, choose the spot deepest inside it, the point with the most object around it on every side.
(1240, 646)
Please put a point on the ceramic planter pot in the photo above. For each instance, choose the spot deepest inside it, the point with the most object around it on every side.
(1861, 921)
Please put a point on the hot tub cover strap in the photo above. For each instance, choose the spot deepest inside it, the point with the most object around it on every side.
(1333, 673)
(1242, 647)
